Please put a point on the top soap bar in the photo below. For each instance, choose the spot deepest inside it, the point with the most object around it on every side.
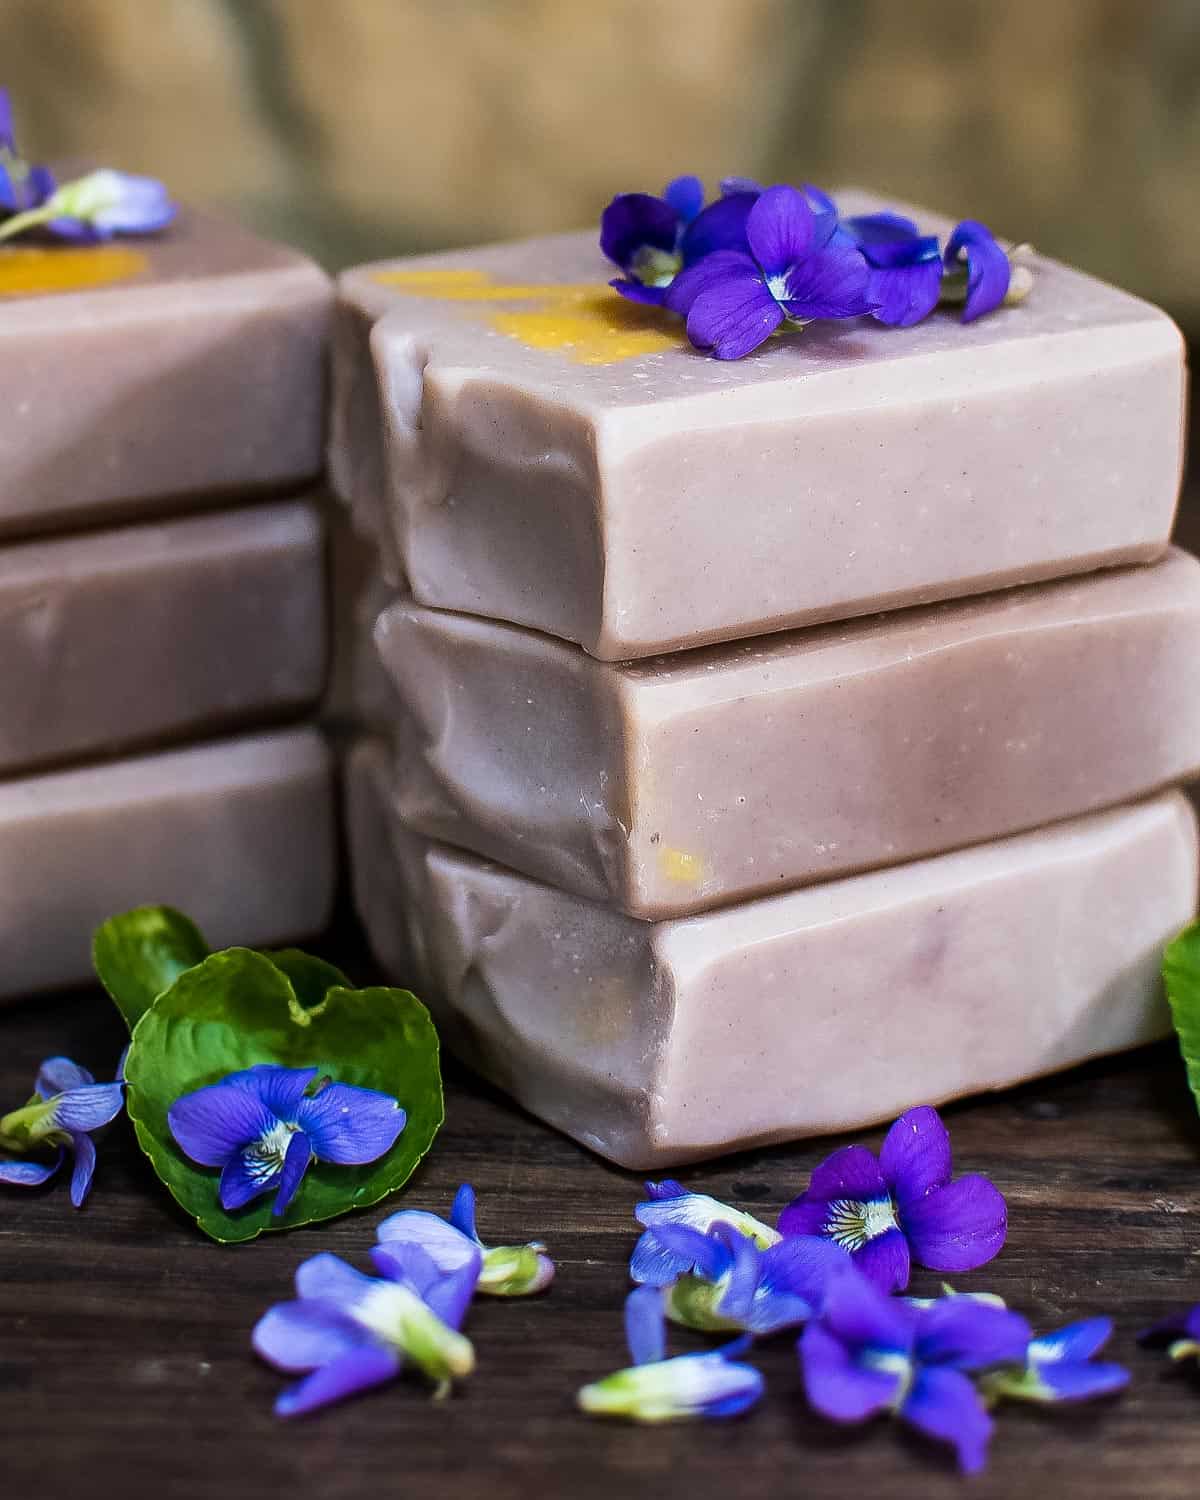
(141, 374)
(526, 445)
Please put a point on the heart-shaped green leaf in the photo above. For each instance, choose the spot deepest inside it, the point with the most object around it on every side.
(238, 1008)
(1181, 974)
(141, 953)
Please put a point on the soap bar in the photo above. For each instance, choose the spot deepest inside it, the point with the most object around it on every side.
(237, 833)
(821, 1010)
(120, 638)
(677, 783)
(141, 375)
(527, 446)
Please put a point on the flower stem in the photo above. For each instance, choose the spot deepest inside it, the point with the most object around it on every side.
(30, 219)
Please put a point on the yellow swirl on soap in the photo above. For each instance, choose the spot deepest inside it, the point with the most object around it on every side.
(587, 320)
(28, 271)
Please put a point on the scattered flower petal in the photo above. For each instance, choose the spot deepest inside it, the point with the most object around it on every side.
(670, 1203)
(265, 1125)
(902, 1205)
(505, 1271)
(1059, 1367)
(659, 1389)
(988, 267)
(67, 1106)
(1179, 1334)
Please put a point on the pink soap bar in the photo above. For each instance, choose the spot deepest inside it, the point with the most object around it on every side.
(525, 445)
(238, 833)
(134, 635)
(140, 375)
(821, 1010)
(677, 783)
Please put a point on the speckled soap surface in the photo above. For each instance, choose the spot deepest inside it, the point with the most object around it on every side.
(145, 375)
(682, 782)
(820, 1010)
(524, 445)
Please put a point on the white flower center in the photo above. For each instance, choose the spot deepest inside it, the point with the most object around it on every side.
(851, 1223)
(264, 1157)
(778, 287)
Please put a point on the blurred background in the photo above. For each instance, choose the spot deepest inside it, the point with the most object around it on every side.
(364, 128)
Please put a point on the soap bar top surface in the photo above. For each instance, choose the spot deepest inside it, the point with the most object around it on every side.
(125, 637)
(238, 833)
(528, 446)
(147, 374)
(821, 1010)
(676, 783)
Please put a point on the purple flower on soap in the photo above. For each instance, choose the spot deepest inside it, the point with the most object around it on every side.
(656, 1389)
(505, 1270)
(23, 185)
(795, 268)
(97, 207)
(988, 269)
(1178, 1334)
(733, 1286)
(653, 239)
(348, 1332)
(668, 1203)
(867, 1354)
(902, 1206)
(1058, 1367)
(67, 1106)
(264, 1127)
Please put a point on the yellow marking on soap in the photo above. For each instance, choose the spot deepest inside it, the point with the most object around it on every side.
(28, 271)
(680, 866)
(586, 320)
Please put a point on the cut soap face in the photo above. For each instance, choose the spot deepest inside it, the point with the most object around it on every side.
(237, 833)
(140, 376)
(527, 446)
(679, 783)
(820, 1010)
(121, 638)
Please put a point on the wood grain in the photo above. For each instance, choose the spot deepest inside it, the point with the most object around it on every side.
(125, 1365)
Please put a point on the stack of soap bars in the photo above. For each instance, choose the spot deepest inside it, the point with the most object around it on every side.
(162, 609)
(764, 747)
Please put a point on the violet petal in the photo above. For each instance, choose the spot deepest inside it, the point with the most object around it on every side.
(1077, 1341)
(295, 1163)
(906, 295)
(861, 1315)
(242, 1182)
(633, 220)
(88, 1107)
(686, 197)
(326, 1277)
(645, 1326)
(833, 283)
(300, 1336)
(779, 229)
(964, 1334)
(29, 1173)
(915, 1156)
(837, 1385)
(1080, 1380)
(357, 1370)
(706, 273)
(956, 1227)
(637, 291)
(58, 1074)
(84, 1167)
(734, 316)
(885, 1260)
(852, 1172)
(212, 1124)
(349, 1125)
(721, 226)
(943, 1404)
(988, 267)
(447, 1245)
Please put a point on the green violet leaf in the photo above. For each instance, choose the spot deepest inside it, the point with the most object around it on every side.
(1181, 973)
(141, 953)
(312, 978)
(237, 1008)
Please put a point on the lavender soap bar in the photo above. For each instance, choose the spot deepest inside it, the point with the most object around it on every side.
(525, 445)
(677, 783)
(120, 638)
(816, 1011)
(238, 833)
(142, 374)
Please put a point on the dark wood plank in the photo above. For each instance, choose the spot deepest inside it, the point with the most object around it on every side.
(125, 1365)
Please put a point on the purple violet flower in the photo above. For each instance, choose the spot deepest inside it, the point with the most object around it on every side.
(796, 269)
(988, 270)
(733, 1286)
(505, 1270)
(97, 207)
(657, 1389)
(1059, 1367)
(265, 1125)
(67, 1106)
(668, 1203)
(349, 1332)
(901, 1206)
(867, 1353)
(653, 239)
(1179, 1334)
(906, 266)
(22, 184)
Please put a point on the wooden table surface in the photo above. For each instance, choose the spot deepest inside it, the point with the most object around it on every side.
(126, 1369)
